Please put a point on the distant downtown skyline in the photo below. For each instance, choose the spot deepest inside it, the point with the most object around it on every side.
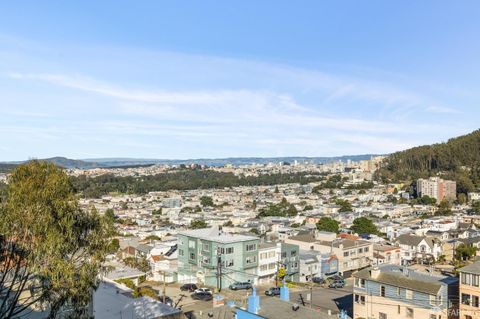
(245, 79)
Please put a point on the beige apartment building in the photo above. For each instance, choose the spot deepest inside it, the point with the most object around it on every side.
(437, 188)
(470, 291)
(352, 254)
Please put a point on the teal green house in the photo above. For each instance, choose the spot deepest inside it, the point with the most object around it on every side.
(213, 258)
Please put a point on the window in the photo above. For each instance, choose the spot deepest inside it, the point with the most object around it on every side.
(206, 247)
(263, 256)
(398, 309)
(271, 254)
(293, 253)
(382, 315)
(206, 260)
(465, 299)
(271, 266)
(264, 267)
(192, 256)
(360, 299)
(251, 259)
(398, 291)
(228, 250)
(345, 254)
(251, 247)
(409, 312)
(475, 280)
(475, 301)
(191, 244)
(466, 279)
(468, 317)
(365, 249)
(228, 263)
(360, 251)
(382, 291)
(180, 252)
(433, 316)
(408, 294)
(284, 254)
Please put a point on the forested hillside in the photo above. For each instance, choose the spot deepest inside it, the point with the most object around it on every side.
(458, 159)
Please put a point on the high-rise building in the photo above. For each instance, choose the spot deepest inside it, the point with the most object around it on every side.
(437, 188)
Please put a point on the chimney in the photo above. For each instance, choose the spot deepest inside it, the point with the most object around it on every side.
(253, 302)
(375, 272)
(284, 292)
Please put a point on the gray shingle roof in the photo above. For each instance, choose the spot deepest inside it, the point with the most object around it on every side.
(393, 275)
(472, 268)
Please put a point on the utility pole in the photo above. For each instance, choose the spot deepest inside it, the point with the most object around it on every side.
(219, 269)
(311, 286)
(164, 285)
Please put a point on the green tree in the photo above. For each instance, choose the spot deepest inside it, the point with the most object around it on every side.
(444, 208)
(52, 250)
(197, 224)
(328, 224)
(157, 211)
(363, 225)
(228, 223)
(344, 204)
(206, 201)
(110, 214)
(465, 252)
(307, 207)
(254, 231)
(461, 198)
(114, 246)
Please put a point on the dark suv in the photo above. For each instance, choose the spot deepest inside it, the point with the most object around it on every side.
(240, 285)
(274, 291)
(189, 287)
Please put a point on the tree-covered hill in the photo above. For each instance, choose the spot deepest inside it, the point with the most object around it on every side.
(457, 159)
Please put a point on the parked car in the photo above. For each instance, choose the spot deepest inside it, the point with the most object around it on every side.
(337, 284)
(318, 280)
(203, 290)
(189, 287)
(201, 295)
(240, 285)
(274, 291)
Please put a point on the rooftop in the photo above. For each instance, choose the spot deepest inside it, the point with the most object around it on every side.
(216, 235)
(472, 268)
(403, 277)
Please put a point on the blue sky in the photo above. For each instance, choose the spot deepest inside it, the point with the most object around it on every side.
(158, 79)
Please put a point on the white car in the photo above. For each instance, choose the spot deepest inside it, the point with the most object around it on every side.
(203, 290)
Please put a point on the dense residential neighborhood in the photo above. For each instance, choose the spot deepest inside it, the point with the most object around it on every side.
(389, 251)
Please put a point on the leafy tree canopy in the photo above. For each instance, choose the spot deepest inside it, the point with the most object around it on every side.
(328, 224)
(363, 225)
(52, 250)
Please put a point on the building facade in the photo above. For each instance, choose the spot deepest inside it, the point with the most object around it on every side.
(437, 188)
(391, 291)
(470, 291)
(213, 258)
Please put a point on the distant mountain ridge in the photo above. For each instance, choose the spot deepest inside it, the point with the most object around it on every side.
(121, 162)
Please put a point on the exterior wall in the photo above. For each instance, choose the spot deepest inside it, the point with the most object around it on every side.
(469, 288)
(267, 264)
(354, 258)
(396, 301)
(349, 259)
(289, 257)
(197, 261)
